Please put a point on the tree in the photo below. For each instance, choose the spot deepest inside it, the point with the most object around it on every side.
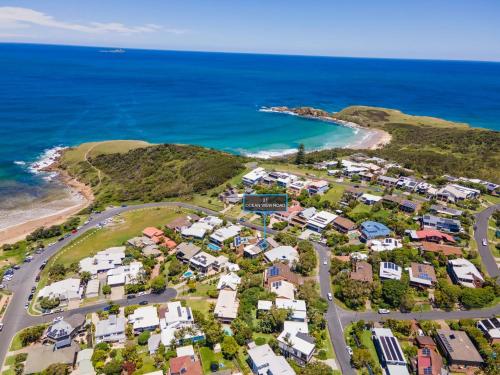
(407, 301)
(301, 155)
(114, 309)
(229, 347)
(316, 368)
(272, 321)
(361, 358)
(56, 369)
(477, 297)
(307, 257)
(47, 303)
(242, 332)
(57, 272)
(113, 367)
(85, 276)
(353, 293)
(143, 338)
(106, 290)
(31, 334)
(446, 294)
(158, 284)
(175, 267)
(393, 291)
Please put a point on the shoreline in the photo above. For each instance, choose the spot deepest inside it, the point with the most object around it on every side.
(20, 222)
(372, 140)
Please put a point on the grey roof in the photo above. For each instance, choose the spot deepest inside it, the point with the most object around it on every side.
(188, 250)
(110, 326)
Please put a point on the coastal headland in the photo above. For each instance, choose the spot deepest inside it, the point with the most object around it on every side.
(111, 172)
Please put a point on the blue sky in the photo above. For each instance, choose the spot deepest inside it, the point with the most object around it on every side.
(428, 29)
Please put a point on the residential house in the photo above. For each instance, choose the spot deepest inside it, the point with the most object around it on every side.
(226, 308)
(186, 251)
(422, 275)
(344, 225)
(302, 218)
(444, 210)
(362, 271)
(441, 223)
(387, 181)
(447, 250)
(318, 187)
(283, 289)
(179, 223)
(224, 234)
(230, 196)
(185, 365)
(229, 281)
(491, 329)
(132, 273)
(65, 290)
(152, 232)
(196, 230)
(390, 271)
(178, 318)
(204, 263)
(296, 187)
(385, 244)
(372, 229)
(282, 254)
(62, 332)
(458, 348)
(454, 193)
(292, 210)
(431, 235)
(297, 307)
(296, 343)
(111, 329)
(389, 351)
(103, 261)
(370, 199)
(254, 177)
(263, 361)
(144, 319)
(281, 272)
(429, 362)
(320, 220)
(404, 205)
(463, 272)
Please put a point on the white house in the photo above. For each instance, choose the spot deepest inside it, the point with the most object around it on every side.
(369, 199)
(295, 342)
(281, 254)
(196, 230)
(283, 289)
(389, 270)
(103, 261)
(179, 318)
(298, 308)
(454, 193)
(386, 244)
(263, 361)
(92, 289)
(65, 290)
(111, 329)
(463, 272)
(320, 220)
(229, 281)
(129, 274)
(224, 234)
(144, 319)
(226, 308)
(254, 177)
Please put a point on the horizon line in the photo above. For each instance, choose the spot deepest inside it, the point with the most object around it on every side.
(256, 53)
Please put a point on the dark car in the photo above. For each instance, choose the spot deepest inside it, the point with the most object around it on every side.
(16, 267)
(143, 303)
(130, 296)
(60, 238)
(37, 278)
(30, 297)
(33, 289)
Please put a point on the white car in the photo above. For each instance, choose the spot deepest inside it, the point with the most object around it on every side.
(330, 297)
(383, 311)
(485, 243)
(349, 350)
(1, 326)
(325, 262)
(57, 319)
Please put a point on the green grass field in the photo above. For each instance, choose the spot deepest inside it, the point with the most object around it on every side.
(208, 356)
(366, 340)
(201, 305)
(91, 149)
(334, 194)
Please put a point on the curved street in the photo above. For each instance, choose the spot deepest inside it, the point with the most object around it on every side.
(17, 318)
(480, 234)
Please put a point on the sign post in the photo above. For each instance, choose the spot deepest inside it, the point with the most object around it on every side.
(265, 204)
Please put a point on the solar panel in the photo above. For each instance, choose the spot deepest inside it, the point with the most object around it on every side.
(386, 351)
(428, 370)
(395, 345)
(496, 322)
(426, 351)
(487, 323)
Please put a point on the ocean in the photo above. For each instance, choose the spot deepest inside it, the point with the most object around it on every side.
(62, 96)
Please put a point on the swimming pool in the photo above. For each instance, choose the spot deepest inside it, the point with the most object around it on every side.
(213, 247)
(187, 274)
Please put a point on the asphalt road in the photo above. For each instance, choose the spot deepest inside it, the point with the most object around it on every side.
(480, 233)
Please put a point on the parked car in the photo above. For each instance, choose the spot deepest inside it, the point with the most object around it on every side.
(349, 350)
(16, 267)
(30, 297)
(143, 303)
(485, 242)
(26, 305)
(131, 296)
(383, 311)
(57, 319)
(325, 262)
(330, 297)
(37, 278)
(1, 326)
(33, 289)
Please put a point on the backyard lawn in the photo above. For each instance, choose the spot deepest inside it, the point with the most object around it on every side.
(334, 194)
(366, 340)
(208, 356)
(201, 305)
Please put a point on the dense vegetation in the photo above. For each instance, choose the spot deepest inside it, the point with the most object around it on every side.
(427, 145)
(154, 173)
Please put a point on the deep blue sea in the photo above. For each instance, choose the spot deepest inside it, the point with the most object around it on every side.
(61, 95)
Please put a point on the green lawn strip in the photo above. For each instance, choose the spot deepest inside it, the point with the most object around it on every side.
(330, 352)
(10, 360)
(16, 343)
(10, 371)
(334, 194)
(366, 341)
(148, 364)
(201, 305)
(208, 356)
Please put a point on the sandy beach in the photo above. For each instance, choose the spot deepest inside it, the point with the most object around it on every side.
(70, 196)
(372, 140)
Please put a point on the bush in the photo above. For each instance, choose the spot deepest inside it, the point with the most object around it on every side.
(31, 334)
(19, 358)
(143, 338)
(322, 355)
(260, 341)
(214, 366)
(49, 304)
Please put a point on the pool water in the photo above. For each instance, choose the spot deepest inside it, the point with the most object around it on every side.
(213, 247)
(187, 274)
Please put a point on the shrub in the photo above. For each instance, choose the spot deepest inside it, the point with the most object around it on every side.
(143, 338)
(260, 341)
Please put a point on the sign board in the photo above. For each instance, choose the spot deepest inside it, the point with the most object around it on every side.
(265, 203)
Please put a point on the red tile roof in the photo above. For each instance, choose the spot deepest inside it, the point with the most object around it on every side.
(152, 232)
(438, 248)
(185, 365)
(434, 233)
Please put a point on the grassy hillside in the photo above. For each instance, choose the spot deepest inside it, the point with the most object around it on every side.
(428, 145)
(127, 171)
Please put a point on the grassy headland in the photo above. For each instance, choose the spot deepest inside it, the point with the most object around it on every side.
(126, 171)
(428, 145)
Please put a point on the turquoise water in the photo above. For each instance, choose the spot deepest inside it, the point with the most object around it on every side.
(59, 95)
